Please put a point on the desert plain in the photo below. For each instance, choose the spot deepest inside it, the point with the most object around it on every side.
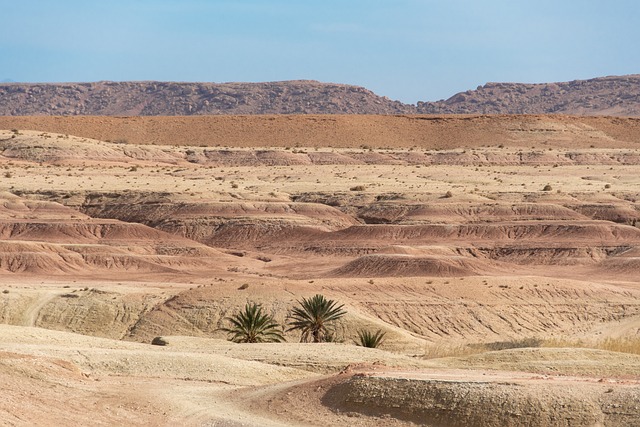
(499, 254)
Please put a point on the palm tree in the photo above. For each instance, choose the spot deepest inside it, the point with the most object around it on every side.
(314, 316)
(370, 339)
(253, 325)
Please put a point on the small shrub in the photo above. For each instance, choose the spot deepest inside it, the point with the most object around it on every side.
(448, 195)
(357, 188)
(370, 339)
(69, 296)
(159, 341)
(253, 325)
(507, 345)
(314, 318)
(547, 188)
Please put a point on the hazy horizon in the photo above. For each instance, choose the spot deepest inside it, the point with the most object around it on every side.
(407, 50)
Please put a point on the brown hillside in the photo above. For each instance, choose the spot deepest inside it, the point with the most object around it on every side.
(610, 96)
(377, 131)
(175, 99)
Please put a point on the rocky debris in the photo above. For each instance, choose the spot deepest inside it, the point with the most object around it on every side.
(610, 96)
(463, 403)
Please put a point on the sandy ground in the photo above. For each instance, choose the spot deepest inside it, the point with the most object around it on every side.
(445, 247)
(352, 131)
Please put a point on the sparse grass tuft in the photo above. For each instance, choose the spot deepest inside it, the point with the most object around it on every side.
(507, 345)
(370, 339)
(621, 345)
(461, 350)
(437, 351)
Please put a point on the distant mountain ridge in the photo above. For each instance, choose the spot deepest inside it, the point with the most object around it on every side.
(613, 95)
(610, 96)
(183, 99)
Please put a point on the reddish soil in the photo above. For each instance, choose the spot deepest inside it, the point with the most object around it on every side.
(450, 252)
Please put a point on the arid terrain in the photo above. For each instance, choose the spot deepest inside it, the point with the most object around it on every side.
(601, 96)
(500, 254)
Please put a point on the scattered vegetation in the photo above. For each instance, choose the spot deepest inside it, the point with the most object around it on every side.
(508, 345)
(370, 339)
(622, 345)
(315, 317)
(69, 295)
(253, 325)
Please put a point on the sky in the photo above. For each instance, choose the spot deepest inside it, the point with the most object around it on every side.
(408, 50)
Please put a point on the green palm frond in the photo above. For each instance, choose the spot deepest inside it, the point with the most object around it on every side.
(370, 339)
(314, 316)
(252, 325)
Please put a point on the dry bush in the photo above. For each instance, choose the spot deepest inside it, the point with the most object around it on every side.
(622, 345)
(437, 351)
(507, 345)
(461, 350)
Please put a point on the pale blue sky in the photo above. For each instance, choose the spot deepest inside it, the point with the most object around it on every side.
(408, 50)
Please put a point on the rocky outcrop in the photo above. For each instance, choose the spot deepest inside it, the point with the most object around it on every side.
(180, 99)
(610, 96)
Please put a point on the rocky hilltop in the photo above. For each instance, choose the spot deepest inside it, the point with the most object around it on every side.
(181, 99)
(611, 96)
